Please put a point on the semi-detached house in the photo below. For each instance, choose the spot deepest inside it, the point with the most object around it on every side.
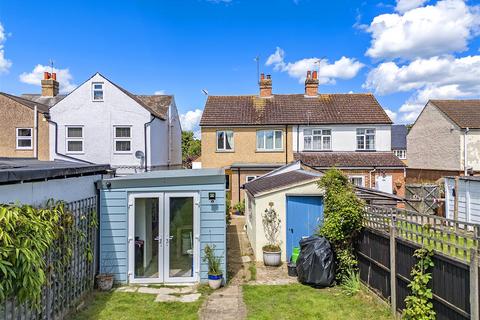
(253, 134)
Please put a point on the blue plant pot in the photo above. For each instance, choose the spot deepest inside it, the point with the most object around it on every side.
(214, 277)
(215, 281)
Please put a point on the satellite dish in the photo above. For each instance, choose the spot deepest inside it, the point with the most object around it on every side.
(139, 154)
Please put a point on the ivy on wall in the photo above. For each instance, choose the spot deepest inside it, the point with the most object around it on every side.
(27, 236)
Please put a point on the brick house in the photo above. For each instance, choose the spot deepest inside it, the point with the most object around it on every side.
(253, 134)
(24, 131)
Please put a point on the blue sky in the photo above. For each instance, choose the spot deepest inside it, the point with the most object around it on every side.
(405, 51)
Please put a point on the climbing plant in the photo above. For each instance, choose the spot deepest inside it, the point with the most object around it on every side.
(418, 304)
(342, 220)
(27, 236)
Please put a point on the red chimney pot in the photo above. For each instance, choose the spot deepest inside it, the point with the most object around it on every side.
(262, 76)
(46, 75)
(54, 75)
(314, 75)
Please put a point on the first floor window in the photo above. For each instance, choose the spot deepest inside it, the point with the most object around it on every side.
(269, 140)
(357, 181)
(74, 139)
(24, 138)
(317, 139)
(401, 154)
(365, 139)
(225, 140)
(122, 138)
(250, 178)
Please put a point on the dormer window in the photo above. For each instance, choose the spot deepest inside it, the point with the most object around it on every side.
(97, 91)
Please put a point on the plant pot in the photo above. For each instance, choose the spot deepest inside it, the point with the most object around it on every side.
(215, 281)
(292, 269)
(104, 282)
(272, 259)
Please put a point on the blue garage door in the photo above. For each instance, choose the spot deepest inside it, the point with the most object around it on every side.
(304, 215)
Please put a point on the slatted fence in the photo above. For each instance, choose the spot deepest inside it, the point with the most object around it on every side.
(64, 289)
(386, 247)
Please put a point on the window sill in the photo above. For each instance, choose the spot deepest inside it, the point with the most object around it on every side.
(74, 153)
(224, 151)
(23, 149)
(313, 150)
(270, 151)
(122, 152)
(98, 100)
(365, 150)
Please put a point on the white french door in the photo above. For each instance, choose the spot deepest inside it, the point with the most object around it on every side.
(163, 238)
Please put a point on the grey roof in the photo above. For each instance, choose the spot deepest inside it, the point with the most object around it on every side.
(48, 101)
(15, 170)
(399, 137)
(278, 181)
(28, 103)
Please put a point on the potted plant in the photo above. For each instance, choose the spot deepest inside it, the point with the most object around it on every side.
(272, 252)
(240, 208)
(105, 278)
(215, 275)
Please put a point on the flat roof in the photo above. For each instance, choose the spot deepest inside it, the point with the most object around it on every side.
(16, 170)
(165, 174)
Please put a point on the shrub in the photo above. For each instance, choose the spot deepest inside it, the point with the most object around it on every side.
(352, 285)
(342, 220)
(271, 226)
(240, 207)
(418, 304)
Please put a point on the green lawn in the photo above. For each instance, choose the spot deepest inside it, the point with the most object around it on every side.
(303, 302)
(123, 306)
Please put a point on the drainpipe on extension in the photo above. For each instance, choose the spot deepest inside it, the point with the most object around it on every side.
(35, 132)
(145, 125)
(465, 154)
(286, 144)
(47, 116)
(370, 176)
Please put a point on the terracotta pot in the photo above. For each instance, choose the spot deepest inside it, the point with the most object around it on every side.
(215, 281)
(104, 281)
(272, 259)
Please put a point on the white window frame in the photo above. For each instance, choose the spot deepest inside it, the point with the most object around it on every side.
(224, 149)
(321, 135)
(17, 138)
(400, 153)
(93, 91)
(81, 139)
(350, 178)
(364, 137)
(246, 178)
(115, 139)
(275, 148)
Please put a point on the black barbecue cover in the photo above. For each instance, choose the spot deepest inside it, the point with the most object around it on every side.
(316, 263)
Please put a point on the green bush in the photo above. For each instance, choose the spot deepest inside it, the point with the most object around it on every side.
(240, 207)
(27, 234)
(343, 215)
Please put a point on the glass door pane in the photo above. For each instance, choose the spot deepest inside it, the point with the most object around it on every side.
(147, 238)
(180, 237)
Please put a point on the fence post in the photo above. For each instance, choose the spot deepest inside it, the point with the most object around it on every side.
(393, 268)
(474, 284)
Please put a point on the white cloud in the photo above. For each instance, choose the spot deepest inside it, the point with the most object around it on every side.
(5, 64)
(160, 92)
(427, 31)
(406, 5)
(391, 114)
(190, 121)
(35, 77)
(344, 68)
(433, 78)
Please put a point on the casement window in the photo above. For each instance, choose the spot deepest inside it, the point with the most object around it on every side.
(97, 91)
(24, 138)
(401, 154)
(74, 139)
(250, 178)
(122, 139)
(317, 139)
(225, 140)
(357, 180)
(269, 140)
(365, 139)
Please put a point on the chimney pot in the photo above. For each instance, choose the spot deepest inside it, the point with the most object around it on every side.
(54, 75)
(46, 75)
(314, 75)
(262, 76)
(269, 76)
(309, 74)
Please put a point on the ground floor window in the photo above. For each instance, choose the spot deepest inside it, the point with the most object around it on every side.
(357, 180)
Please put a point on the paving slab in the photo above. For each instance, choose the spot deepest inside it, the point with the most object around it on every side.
(151, 290)
(190, 297)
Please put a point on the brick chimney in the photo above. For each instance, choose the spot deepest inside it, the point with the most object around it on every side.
(50, 84)
(311, 84)
(265, 86)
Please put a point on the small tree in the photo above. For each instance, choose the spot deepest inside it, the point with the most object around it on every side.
(191, 148)
(271, 226)
(343, 220)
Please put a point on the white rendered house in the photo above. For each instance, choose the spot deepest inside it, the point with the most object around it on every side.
(100, 122)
